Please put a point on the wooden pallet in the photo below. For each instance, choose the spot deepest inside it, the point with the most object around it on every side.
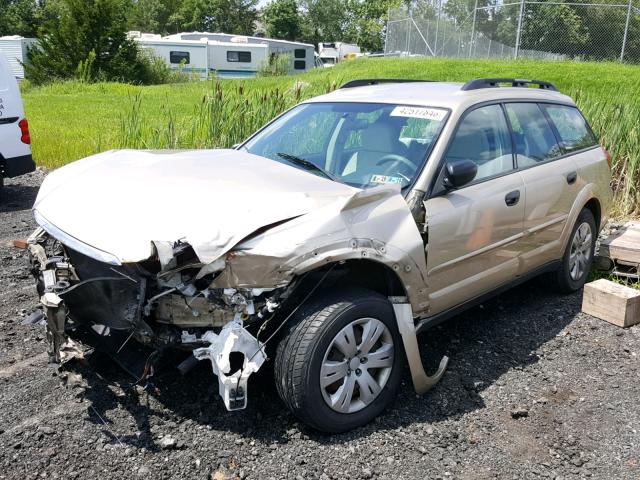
(623, 245)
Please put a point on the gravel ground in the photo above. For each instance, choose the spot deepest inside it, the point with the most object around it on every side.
(535, 389)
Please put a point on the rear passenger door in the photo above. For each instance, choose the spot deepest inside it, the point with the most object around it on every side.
(550, 182)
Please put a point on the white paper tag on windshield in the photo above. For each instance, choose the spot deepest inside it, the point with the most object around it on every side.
(427, 113)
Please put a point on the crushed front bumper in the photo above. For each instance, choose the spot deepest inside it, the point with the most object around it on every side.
(138, 312)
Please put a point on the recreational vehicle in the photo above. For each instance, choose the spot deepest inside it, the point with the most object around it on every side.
(302, 55)
(15, 49)
(191, 57)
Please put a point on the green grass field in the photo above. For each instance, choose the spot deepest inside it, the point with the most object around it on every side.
(72, 120)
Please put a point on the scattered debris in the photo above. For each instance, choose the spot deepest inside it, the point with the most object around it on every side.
(168, 443)
(21, 244)
(520, 412)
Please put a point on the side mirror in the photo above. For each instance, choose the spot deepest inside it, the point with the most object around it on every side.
(458, 173)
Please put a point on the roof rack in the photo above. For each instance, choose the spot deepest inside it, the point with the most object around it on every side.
(378, 81)
(479, 83)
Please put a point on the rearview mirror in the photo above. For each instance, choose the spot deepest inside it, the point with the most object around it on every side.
(458, 173)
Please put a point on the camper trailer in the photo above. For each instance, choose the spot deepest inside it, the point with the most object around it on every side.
(15, 49)
(202, 56)
(191, 57)
(230, 59)
(302, 55)
(335, 52)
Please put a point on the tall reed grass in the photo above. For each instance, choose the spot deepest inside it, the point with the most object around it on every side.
(71, 120)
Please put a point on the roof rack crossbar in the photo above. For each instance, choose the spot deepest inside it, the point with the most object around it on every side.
(378, 81)
(479, 83)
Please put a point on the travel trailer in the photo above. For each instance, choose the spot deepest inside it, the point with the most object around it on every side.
(15, 49)
(202, 56)
(302, 55)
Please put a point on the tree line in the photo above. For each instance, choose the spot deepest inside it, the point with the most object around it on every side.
(87, 39)
(311, 21)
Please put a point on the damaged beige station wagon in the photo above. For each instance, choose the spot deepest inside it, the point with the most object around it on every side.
(326, 242)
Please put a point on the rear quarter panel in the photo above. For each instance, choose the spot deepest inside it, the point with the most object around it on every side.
(594, 181)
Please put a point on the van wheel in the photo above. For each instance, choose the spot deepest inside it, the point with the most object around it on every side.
(578, 256)
(340, 364)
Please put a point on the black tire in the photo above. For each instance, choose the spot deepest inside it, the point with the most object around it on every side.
(301, 352)
(562, 280)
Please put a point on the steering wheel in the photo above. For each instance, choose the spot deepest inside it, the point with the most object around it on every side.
(392, 157)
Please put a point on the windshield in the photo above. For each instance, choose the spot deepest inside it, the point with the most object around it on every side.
(360, 144)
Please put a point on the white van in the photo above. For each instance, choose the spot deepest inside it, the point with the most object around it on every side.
(15, 141)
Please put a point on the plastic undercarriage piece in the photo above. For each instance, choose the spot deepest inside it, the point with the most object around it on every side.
(232, 338)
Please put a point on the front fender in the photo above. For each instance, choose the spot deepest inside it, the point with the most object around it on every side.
(374, 224)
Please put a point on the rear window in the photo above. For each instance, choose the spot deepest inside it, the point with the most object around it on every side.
(573, 129)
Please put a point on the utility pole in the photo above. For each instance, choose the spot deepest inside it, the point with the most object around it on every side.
(519, 32)
(473, 28)
(435, 45)
(626, 31)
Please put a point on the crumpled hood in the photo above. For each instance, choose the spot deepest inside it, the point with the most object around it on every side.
(119, 202)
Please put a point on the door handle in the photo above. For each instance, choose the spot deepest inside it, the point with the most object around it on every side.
(572, 177)
(512, 198)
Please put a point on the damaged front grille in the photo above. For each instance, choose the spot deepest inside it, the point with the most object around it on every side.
(136, 312)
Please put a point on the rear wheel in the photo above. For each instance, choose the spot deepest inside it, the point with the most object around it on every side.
(340, 364)
(578, 256)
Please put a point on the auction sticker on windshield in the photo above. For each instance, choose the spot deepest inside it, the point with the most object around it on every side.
(419, 112)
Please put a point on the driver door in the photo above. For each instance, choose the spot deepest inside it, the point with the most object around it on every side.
(474, 232)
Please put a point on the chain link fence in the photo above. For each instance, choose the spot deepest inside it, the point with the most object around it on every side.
(550, 30)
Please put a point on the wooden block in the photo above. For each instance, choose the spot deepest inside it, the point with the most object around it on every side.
(623, 244)
(612, 302)
(21, 244)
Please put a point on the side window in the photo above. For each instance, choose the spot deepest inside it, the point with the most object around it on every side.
(242, 57)
(574, 132)
(483, 137)
(179, 57)
(300, 53)
(299, 65)
(534, 139)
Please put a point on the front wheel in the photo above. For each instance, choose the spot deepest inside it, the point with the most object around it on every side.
(578, 256)
(340, 364)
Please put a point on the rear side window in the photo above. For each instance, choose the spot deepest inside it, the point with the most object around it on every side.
(574, 132)
(534, 138)
(483, 137)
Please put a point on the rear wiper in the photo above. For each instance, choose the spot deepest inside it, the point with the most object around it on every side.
(306, 164)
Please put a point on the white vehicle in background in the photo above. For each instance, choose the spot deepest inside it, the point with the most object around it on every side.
(334, 52)
(15, 141)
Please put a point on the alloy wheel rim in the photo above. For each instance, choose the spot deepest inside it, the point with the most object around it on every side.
(357, 365)
(580, 254)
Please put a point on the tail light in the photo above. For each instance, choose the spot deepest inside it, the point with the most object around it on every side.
(607, 156)
(24, 130)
